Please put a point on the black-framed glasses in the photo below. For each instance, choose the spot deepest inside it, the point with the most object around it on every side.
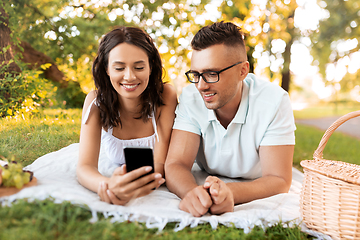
(209, 76)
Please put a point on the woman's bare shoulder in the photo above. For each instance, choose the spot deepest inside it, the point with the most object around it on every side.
(89, 99)
(169, 94)
(169, 97)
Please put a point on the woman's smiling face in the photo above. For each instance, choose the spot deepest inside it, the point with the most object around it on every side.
(129, 70)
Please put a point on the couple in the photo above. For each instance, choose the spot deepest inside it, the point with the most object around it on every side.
(232, 123)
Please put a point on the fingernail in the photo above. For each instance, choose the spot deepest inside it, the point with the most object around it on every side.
(108, 192)
(161, 181)
(206, 184)
(148, 169)
(158, 175)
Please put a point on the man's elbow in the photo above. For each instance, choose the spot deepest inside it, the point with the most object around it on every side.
(277, 184)
(284, 185)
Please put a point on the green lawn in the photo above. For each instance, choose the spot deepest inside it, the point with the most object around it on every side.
(327, 110)
(29, 138)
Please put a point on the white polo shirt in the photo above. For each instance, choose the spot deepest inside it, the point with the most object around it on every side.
(264, 118)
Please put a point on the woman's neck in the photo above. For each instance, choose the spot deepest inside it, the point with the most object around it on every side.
(130, 108)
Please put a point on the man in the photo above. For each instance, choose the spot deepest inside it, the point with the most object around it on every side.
(233, 124)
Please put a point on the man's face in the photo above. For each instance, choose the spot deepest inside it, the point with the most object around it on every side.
(227, 91)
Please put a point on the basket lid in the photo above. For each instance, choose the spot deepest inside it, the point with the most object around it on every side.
(336, 169)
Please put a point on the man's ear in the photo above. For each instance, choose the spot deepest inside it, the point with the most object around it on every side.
(244, 70)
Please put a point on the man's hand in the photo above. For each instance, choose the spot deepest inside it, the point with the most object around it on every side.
(221, 195)
(197, 202)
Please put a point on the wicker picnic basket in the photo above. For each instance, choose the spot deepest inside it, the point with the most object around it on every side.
(330, 196)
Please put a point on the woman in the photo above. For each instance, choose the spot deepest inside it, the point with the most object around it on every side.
(131, 106)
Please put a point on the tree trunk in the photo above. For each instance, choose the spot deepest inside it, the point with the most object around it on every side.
(5, 41)
(286, 74)
(286, 78)
(35, 59)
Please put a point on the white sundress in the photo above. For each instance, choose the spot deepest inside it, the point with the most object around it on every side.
(114, 147)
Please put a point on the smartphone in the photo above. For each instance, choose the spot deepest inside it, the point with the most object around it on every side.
(137, 157)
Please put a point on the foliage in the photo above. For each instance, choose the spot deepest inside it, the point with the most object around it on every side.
(72, 96)
(339, 25)
(23, 92)
(71, 30)
(265, 25)
(337, 42)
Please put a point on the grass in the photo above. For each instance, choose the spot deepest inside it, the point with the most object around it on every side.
(47, 220)
(327, 110)
(27, 138)
(340, 146)
(31, 137)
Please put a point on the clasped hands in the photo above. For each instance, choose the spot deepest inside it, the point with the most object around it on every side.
(123, 186)
(214, 197)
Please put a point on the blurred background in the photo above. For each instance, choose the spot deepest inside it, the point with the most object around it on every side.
(310, 48)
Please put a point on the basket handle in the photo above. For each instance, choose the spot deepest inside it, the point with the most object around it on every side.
(318, 154)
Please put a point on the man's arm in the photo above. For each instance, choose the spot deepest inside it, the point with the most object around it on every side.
(276, 163)
(179, 179)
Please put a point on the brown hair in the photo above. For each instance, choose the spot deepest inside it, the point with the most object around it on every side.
(107, 97)
(219, 33)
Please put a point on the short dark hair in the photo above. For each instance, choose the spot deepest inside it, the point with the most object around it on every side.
(107, 97)
(222, 32)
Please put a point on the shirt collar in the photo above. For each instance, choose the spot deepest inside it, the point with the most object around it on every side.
(241, 113)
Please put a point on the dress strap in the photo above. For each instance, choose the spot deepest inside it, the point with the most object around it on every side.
(154, 125)
(87, 113)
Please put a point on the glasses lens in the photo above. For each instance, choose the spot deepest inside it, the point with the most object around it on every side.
(193, 77)
(211, 77)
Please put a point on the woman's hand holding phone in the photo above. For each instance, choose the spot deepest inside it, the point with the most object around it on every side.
(124, 186)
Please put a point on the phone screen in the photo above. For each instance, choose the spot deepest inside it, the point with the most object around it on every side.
(137, 157)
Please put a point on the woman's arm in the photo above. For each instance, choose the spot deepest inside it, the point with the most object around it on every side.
(164, 120)
(123, 186)
(90, 138)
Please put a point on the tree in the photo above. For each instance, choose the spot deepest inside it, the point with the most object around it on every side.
(337, 40)
(264, 25)
(339, 25)
(19, 87)
(70, 30)
(7, 55)
(35, 59)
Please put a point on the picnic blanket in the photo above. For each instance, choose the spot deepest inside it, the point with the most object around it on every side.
(56, 175)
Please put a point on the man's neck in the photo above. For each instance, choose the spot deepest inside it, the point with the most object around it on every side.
(227, 113)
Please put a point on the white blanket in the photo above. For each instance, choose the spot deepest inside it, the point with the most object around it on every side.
(56, 177)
